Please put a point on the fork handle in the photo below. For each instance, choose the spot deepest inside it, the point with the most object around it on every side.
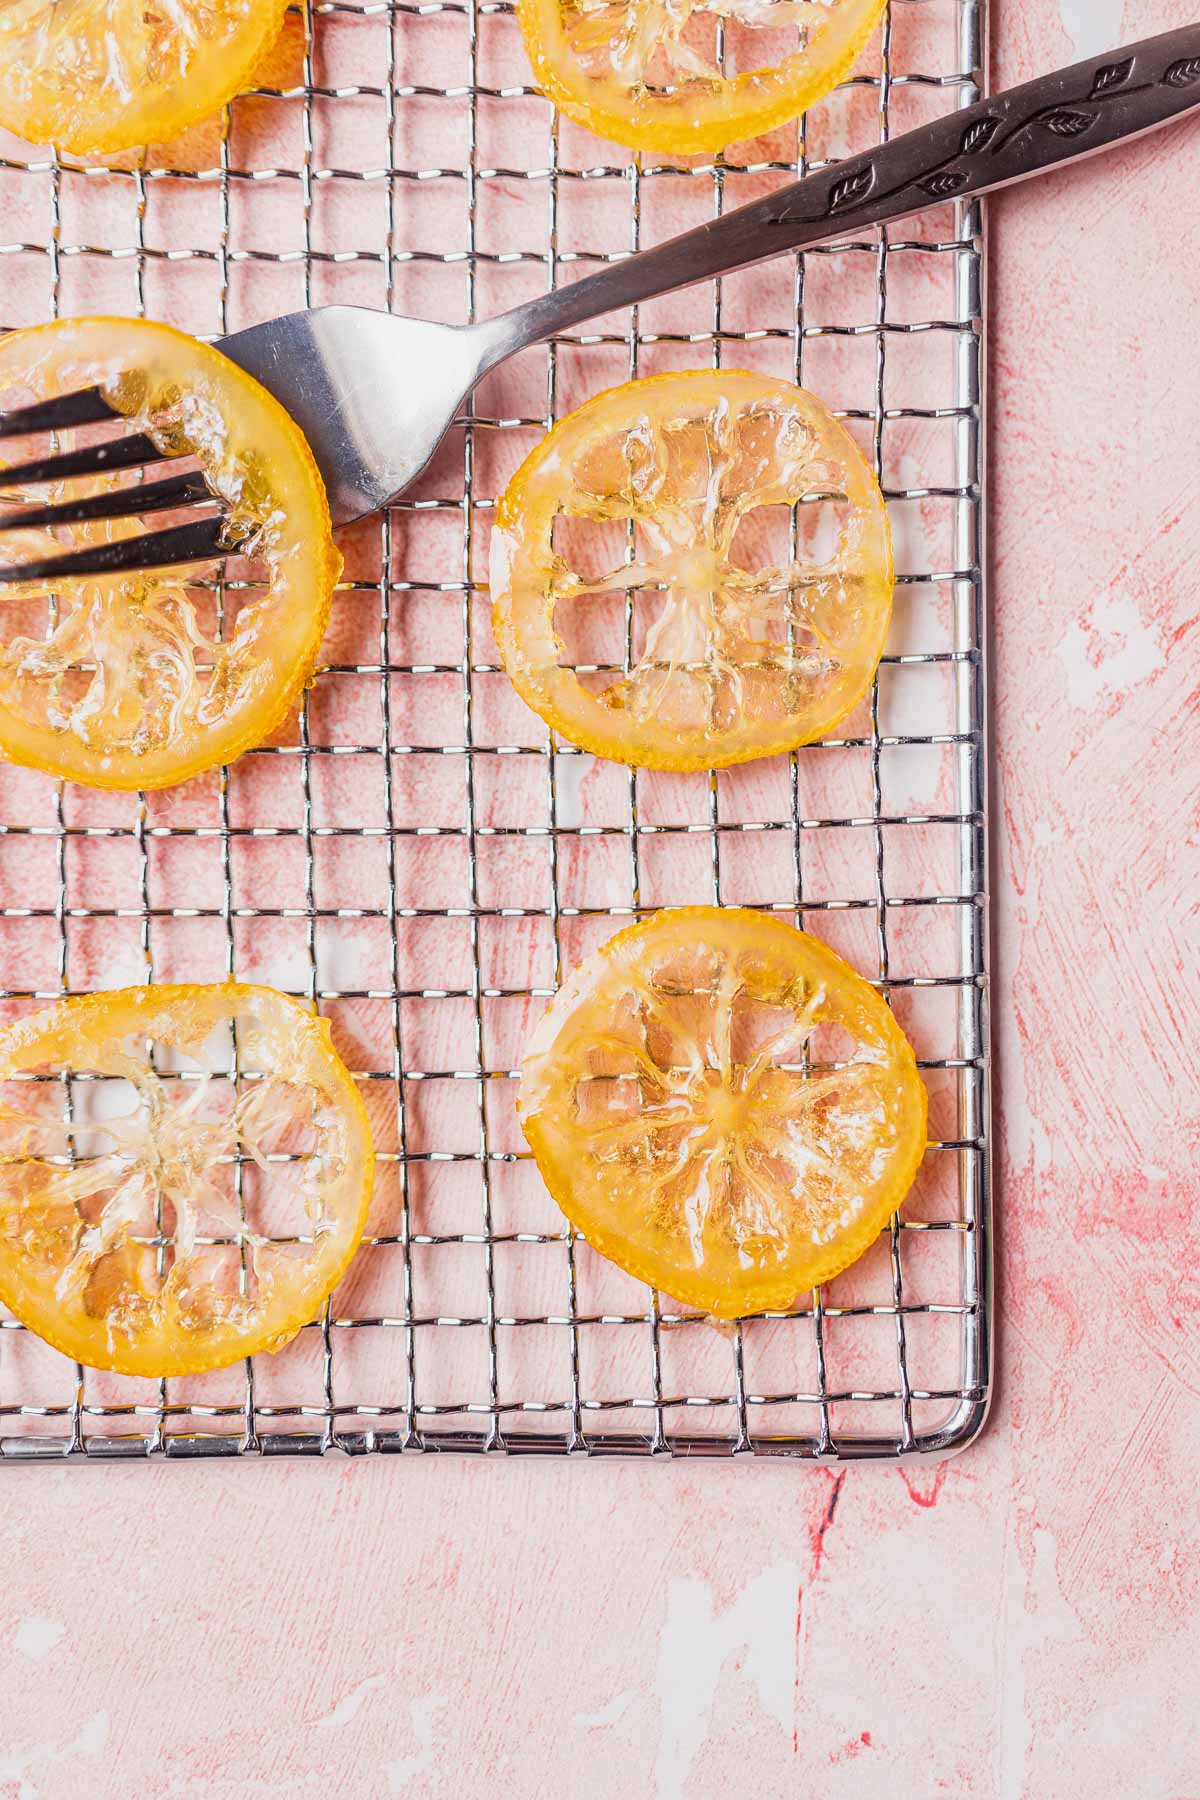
(1021, 132)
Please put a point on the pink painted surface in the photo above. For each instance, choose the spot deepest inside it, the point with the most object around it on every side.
(1021, 1622)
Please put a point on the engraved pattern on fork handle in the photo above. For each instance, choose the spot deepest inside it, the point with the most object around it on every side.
(1018, 133)
(971, 166)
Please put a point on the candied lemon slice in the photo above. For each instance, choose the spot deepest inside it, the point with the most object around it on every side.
(93, 76)
(188, 1184)
(758, 580)
(691, 75)
(139, 681)
(723, 1107)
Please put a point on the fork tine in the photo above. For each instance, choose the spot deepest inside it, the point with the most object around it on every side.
(123, 503)
(117, 453)
(85, 407)
(202, 542)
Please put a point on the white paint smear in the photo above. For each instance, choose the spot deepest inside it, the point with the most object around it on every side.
(695, 1645)
(616, 1709)
(1093, 25)
(349, 1705)
(36, 1638)
(407, 1768)
(1035, 1613)
(1110, 652)
(15, 1766)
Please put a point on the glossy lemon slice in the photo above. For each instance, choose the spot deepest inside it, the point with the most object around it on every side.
(93, 76)
(733, 653)
(164, 1210)
(137, 681)
(723, 1107)
(653, 74)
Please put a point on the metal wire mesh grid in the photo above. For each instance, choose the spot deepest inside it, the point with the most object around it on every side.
(418, 824)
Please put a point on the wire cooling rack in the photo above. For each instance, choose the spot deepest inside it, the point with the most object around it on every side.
(418, 827)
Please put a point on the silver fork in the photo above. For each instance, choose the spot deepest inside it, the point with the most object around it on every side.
(375, 394)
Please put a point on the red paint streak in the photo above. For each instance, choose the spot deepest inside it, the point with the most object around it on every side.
(796, 1685)
(925, 1490)
(820, 1526)
(816, 1536)
(853, 1747)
